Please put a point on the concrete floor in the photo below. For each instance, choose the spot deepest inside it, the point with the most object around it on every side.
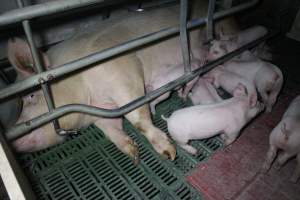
(233, 173)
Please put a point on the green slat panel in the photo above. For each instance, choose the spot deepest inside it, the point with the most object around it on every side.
(89, 166)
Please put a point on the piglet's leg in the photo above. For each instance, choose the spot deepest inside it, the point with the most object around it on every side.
(188, 148)
(229, 138)
(282, 158)
(269, 159)
(296, 173)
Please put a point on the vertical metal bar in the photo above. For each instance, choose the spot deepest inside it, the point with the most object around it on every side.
(209, 22)
(38, 65)
(184, 37)
(15, 182)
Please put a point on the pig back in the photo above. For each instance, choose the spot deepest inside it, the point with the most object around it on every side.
(293, 109)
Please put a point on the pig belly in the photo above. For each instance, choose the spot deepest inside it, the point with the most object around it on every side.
(202, 96)
(204, 93)
(197, 125)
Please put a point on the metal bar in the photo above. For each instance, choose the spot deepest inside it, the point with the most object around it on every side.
(11, 173)
(107, 53)
(38, 64)
(184, 41)
(22, 128)
(209, 23)
(29, 12)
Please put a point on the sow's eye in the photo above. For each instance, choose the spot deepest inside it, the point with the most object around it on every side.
(30, 99)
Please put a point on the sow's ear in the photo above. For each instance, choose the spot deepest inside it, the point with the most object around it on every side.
(19, 55)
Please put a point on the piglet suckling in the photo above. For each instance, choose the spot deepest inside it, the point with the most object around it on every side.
(286, 137)
(204, 121)
(229, 43)
(267, 78)
(221, 77)
(204, 92)
(167, 74)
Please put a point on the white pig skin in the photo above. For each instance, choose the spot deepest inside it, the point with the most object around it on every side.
(166, 75)
(286, 137)
(226, 44)
(204, 92)
(267, 78)
(111, 83)
(204, 121)
(229, 81)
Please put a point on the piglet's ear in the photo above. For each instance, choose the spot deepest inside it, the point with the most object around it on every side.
(253, 100)
(240, 90)
(285, 131)
(20, 57)
(283, 127)
(209, 79)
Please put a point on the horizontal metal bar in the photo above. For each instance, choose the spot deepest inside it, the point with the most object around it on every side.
(23, 128)
(38, 10)
(96, 57)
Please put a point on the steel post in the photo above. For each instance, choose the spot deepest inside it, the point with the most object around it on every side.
(184, 40)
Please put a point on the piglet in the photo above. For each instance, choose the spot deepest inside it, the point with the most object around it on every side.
(228, 43)
(219, 48)
(204, 92)
(204, 121)
(286, 136)
(267, 78)
(220, 77)
(166, 75)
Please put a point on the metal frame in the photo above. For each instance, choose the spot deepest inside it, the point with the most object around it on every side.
(209, 23)
(38, 64)
(184, 40)
(43, 77)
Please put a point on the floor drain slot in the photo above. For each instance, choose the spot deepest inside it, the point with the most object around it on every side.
(89, 166)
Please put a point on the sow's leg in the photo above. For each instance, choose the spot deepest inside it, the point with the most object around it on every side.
(128, 87)
(112, 128)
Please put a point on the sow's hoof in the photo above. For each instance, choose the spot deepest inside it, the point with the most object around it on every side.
(164, 147)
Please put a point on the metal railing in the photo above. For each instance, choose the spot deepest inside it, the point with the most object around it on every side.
(45, 77)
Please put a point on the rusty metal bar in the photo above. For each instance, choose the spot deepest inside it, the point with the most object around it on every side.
(38, 64)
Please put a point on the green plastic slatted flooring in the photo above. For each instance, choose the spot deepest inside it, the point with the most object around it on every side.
(89, 166)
